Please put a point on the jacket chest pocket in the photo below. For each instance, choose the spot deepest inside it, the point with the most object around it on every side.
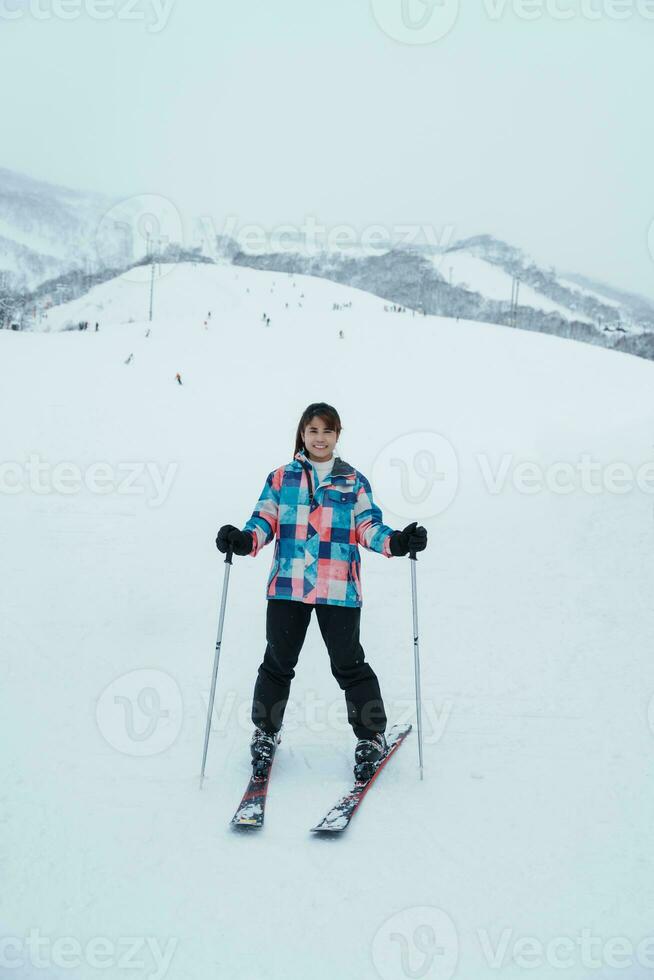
(342, 498)
(338, 506)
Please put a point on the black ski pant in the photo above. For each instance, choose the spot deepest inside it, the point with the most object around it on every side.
(287, 621)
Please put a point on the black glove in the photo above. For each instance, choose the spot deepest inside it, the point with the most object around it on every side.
(229, 536)
(412, 538)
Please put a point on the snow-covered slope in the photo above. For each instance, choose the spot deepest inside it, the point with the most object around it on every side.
(474, 279)
(602, 297)
(489, 266)
(493, 282)
(535, 612)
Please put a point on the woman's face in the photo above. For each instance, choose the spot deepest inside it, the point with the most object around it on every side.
(319, 440)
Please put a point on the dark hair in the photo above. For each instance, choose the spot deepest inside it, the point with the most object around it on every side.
(326, 412)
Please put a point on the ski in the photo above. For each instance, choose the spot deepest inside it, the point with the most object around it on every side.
(338, 818)
(251, 810)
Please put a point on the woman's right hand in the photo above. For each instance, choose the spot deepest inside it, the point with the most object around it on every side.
(229, 537)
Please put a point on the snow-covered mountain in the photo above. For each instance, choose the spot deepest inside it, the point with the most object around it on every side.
(527, 847)
(47, 231)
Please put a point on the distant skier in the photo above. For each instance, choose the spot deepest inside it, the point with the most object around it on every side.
(317, 572)
(341, 334)
(129, 359)
(97, 327)
(178, 378)
(268, 321)
(147, 332)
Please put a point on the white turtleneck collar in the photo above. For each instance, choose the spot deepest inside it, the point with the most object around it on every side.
(323, 469)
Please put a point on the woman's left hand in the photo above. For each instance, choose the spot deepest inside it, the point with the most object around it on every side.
(412, 538)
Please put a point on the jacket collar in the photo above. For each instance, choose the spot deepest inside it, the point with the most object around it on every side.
(341, 470)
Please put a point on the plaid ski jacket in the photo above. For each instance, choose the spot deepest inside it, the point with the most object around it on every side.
(317, 528)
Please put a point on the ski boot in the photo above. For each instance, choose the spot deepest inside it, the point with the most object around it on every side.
(262, 749)
(368, 754)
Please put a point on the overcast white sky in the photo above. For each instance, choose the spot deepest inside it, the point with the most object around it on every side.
(539, 131)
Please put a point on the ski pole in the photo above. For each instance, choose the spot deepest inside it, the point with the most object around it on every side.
(416, 656)
(216, 659)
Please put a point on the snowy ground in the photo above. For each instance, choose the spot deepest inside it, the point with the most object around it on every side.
(534, 818)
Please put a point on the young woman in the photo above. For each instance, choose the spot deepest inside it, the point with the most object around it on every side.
(318, 509)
